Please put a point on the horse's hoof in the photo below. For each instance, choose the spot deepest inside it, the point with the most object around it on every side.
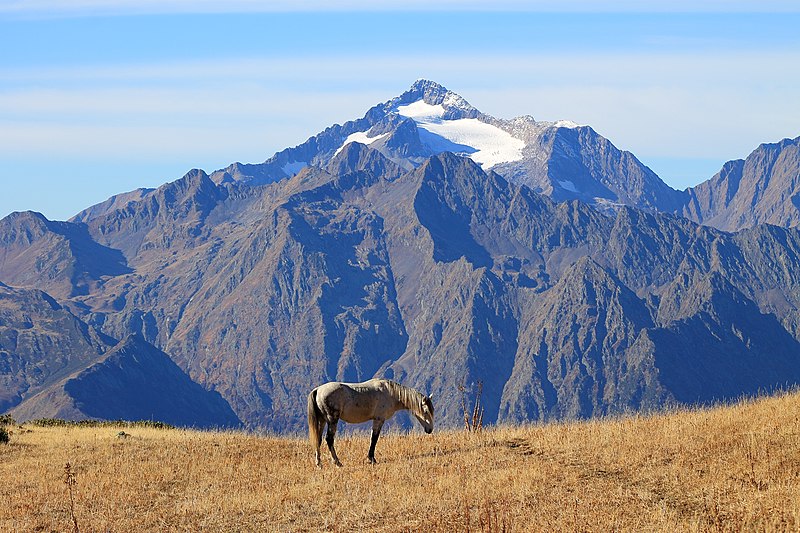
(372, 461)
(338, 464)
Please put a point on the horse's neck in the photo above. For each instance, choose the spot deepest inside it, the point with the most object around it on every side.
(407, 398)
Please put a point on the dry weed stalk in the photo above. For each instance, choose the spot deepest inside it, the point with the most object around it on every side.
(70, 480)
(494, 520)
(472, 423)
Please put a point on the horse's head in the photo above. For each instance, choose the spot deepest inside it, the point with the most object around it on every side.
(425, 414)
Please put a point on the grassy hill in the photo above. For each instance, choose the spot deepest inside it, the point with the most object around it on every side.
(726, 469)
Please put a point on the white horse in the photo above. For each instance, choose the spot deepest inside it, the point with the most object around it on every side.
(377, 400)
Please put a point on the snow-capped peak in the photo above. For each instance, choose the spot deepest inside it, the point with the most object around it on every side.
(484, 143)
(566, 124)
(422, 84)
(433, 93)
(446, 122)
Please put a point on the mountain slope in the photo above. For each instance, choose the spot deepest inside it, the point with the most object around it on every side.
(132, 381)
(52, 364)
(40, 341)
(762, 189)
(580, 356)
(59, 257)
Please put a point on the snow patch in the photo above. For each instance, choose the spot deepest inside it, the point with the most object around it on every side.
(294, 167)
(568, 186)
(421, 111)
(360, 137)
(484, 143)
(566, 124)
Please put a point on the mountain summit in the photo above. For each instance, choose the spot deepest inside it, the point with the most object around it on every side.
(561, 159)
(762, 189)
(434, 94)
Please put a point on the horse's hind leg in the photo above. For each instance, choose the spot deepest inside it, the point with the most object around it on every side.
(329, 439)
(320, 427)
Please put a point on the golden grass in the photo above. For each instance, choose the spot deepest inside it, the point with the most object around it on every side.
(727, 469)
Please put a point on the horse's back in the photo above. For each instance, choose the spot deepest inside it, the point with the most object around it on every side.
(333, 394)
(355, 402)
(374, 384)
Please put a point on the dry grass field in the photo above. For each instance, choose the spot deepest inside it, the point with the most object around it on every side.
(727, 469)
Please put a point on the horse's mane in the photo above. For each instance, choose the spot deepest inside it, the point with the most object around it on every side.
(408, 397)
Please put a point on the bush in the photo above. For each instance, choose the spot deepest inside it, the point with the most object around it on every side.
(7, 420)
(60, 422)
(4, 438)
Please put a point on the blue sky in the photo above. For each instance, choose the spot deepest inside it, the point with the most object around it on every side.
(98, 97)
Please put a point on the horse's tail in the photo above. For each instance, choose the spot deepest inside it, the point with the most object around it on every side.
(314, 418)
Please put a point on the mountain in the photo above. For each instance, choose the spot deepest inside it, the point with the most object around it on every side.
(116, 202)
(443, 248)
(132, 381)
(52, 364)
(441, 276)
(561, 159)
(40, 341)
(59, 257)
(762, 189)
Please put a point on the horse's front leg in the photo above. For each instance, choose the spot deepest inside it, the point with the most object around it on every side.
(329, 439)
(377, 424)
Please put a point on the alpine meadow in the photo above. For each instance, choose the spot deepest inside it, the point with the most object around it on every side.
(727, 469)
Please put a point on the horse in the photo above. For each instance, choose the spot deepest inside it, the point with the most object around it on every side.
(377, 400)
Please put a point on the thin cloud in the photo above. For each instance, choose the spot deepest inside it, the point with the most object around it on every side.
(83, 8)
(691, 66)
(691, 104)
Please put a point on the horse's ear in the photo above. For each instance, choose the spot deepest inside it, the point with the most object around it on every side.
(430, 397)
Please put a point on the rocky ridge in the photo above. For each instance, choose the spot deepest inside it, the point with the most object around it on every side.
(762, 189)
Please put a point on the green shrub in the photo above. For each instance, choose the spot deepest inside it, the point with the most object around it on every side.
(7, 420)
(4, 438)
(60, 422)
